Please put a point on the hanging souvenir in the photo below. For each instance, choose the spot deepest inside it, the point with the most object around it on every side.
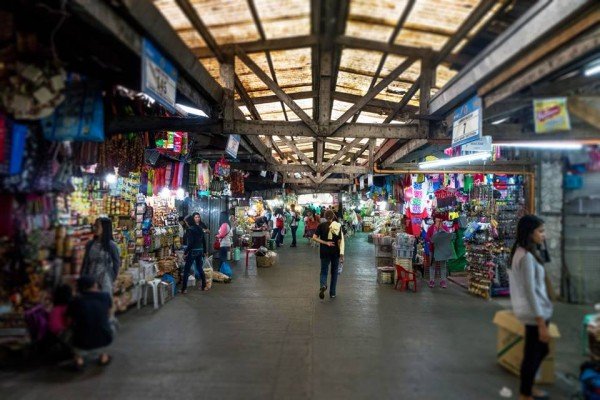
(222, 168)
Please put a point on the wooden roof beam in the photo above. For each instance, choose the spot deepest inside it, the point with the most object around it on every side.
(276, 89)
(277, 44)
(404, 150)
(374, 91)
(535, 24)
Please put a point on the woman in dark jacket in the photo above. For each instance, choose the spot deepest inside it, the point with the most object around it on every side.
(194, 252)
(102, 260)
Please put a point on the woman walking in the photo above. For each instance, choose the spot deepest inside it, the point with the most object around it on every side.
(225, 237)
(195, 250)
(329, 234)
(102, 259)
(530, 301)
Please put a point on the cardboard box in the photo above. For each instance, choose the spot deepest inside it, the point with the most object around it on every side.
(385, 275)
(511, 342)
(384, 262)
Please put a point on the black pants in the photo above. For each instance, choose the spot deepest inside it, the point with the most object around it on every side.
(198, 257)
(294, 229)
(535, 352)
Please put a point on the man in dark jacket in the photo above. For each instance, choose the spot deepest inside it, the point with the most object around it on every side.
(89, 313)
(194, 251)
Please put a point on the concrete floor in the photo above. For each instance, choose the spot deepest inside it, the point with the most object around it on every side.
(268, 336)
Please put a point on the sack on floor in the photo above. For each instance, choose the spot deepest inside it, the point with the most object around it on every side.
(226, 269)
(590, 380)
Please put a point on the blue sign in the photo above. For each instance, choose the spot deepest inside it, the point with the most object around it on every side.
(233, 144)
(159, 76)
(467, 122)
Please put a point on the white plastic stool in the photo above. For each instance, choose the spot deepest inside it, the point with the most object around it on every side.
(153, 284)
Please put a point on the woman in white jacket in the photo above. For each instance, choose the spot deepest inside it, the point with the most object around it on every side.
(530, 300)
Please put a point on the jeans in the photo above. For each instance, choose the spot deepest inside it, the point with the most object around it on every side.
(223, 251)
(294, 230)
(277, 236)
(443, 270)
(196, 256)
(334, 261)
(535, 352)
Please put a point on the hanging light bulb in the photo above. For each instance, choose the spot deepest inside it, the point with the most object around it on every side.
(180, 194)
(110, 179)
(164, 192)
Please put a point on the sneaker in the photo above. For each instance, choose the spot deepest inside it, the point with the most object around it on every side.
(432, 284)
(322, 292)
(443, 284)
(332, 296)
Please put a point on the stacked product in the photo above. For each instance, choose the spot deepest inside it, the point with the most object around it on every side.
(383, 250)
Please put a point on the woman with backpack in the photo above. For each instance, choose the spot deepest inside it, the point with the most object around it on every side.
(102, 259)
(530, 301)
(194, 251)
(329, 234)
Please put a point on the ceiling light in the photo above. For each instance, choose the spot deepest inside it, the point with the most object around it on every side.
(592, 68)
(164, 192)
(499, 121)
(110, 179)
(180, 194)
(455, 160)
(557, 145)
(191, 110)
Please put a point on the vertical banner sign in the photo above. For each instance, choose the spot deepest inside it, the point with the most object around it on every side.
(370, 180)
(467, 122)
(159, 76)
(233, 144)
(362, 183)
(551, 115)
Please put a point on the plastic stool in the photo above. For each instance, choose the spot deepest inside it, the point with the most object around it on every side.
(153, 284)
(405, 277)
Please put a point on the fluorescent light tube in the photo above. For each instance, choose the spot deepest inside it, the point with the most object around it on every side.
(557, 145)
(455, 160)
(592, 69)
(499, 121)
(192, 110)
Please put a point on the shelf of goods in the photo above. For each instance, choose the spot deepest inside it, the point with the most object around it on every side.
(367, 224)
(488, 237)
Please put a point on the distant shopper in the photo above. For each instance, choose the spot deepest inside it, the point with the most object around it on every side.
(89, 314)
(278, 228)
(329, 234)
(194, 252)
(294, 223)
(440, 262)
(323, 219)
(101, 259)
(311, 222)
(530, 301)
(225, 235)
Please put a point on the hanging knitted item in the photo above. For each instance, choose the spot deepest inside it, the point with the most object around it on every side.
(149, 189)
(203, 175)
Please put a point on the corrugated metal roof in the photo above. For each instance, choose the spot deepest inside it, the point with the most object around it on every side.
(429, 25)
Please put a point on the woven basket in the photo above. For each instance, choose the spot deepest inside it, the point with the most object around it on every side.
(264, 261)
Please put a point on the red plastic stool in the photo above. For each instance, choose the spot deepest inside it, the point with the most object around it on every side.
(404, 278)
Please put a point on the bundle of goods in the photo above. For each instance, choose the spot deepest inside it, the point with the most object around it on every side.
(385, 275)
(383, 245)
(404, 246)
(167, 265)
(148, 269)
(265, 258)
(593, 331)
(220, 277)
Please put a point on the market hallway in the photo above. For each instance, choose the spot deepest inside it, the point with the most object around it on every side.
(268, 336)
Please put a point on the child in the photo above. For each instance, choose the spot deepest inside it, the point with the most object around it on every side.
(57, 320)
(89, 313)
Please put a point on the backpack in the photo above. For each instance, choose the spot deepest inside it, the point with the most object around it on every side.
(279, 223)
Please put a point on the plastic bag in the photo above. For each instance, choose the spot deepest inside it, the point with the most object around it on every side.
(226, 269)
(340, 268)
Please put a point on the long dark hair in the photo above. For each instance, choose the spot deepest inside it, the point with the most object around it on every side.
(525, 227)
(189, 220)
(107, 236)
